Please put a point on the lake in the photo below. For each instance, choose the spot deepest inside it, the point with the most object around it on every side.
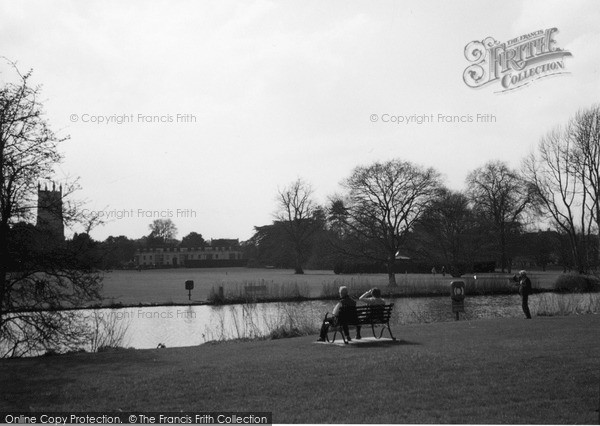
(147, 327)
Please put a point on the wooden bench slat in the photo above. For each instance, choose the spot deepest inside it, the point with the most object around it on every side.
(364, 315)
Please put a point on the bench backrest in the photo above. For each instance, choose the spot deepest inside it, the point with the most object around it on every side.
(368, 314)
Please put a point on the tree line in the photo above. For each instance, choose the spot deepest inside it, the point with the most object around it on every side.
(546, 211)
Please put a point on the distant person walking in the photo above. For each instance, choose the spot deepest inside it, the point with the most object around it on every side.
(525, 288)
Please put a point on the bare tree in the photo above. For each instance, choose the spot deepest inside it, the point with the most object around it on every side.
(585, 133)
(300, 217)
(501, 196)
(383, 203)
(36, 280)
(565, 176)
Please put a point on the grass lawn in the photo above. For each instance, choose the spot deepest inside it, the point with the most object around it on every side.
(543, 371)
(165, 286)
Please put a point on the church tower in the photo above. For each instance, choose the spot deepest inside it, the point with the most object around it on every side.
(49, 212)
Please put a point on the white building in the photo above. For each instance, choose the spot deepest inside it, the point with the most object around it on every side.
(189, 257)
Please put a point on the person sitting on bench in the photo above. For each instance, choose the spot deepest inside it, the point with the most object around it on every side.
(345, 301)
(371, 297)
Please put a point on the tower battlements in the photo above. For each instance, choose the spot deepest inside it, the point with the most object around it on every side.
(49, 211)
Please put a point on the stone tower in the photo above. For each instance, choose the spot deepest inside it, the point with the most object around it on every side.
(49, 212)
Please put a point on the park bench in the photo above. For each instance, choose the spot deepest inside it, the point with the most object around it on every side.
(368, 315)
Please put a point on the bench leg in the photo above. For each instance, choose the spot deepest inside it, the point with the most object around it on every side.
(335, 334)
(389, 331)
(327, 323)
(383, 328)
(374, 334)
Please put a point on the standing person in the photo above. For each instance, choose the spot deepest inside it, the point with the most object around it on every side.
(371, 297)
(345, 301)
(525, 288)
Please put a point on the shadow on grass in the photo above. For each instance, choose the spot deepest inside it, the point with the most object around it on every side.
(380, 343)
(369, 343)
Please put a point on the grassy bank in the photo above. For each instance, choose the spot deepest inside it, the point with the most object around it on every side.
(487, 371)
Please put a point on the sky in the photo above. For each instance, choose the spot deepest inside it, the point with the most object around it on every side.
(209, 108)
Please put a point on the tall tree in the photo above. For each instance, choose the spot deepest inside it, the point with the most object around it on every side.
(117, 251)
(565, 177)
(337, 216)
(501, 196)
(48, 279)
(447, 231)
(162, 231)
(300, 217)
(271, 246)
(384, 201)
(193, 239)
(585, 132)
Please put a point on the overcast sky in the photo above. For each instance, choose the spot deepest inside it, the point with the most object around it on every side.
(272, 91)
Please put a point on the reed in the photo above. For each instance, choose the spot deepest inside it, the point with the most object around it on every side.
(421, 285)
(258, 291)
(107, 330)
(550, 304)
(250, 321)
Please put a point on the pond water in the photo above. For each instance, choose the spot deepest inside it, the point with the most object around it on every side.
(172, 326)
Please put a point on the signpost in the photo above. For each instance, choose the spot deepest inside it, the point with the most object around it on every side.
(189, 286)
(458, 297)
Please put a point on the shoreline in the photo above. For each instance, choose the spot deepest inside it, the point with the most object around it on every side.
(120, 305)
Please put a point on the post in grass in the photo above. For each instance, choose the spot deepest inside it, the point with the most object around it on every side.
(458, 297)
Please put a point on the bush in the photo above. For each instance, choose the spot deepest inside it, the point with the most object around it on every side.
(283, 332)
(571, 283)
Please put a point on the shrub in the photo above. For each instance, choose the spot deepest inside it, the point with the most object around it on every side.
(283, 332)
(570, 283)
